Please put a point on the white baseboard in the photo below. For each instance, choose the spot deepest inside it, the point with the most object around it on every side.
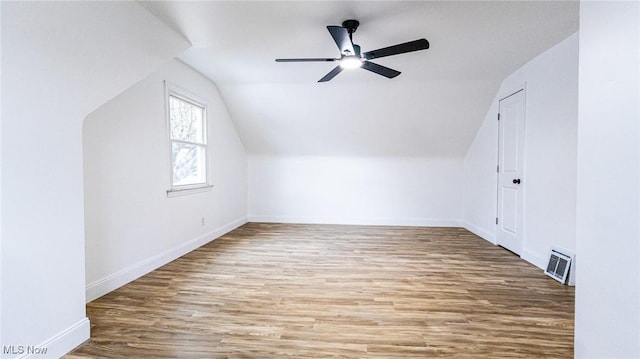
(480, 232)
(528, 255)
(61, 343)
(534, 258)
(408, 222)
(116, 280)
(537, 259)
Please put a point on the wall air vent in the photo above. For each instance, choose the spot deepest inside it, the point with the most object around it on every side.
(558, 267)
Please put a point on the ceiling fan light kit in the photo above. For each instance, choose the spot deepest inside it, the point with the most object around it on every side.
(351, 57)
(350, 62)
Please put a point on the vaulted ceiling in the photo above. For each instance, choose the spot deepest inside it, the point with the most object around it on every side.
(433, 108)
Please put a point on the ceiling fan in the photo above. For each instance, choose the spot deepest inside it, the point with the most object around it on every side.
(350, 56)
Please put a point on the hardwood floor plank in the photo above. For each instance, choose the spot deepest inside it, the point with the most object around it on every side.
(285, 290)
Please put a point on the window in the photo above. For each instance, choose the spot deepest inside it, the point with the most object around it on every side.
(188, 138)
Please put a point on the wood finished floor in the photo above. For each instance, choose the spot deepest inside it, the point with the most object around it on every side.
(282, 290)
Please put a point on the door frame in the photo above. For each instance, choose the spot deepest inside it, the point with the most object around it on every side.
(502, 96)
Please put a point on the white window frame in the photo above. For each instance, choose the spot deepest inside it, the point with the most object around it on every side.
(178, 190)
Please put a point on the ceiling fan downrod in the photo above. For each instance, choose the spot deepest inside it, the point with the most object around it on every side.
(351, 26)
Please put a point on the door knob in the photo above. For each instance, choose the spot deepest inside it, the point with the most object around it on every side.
(516, 181)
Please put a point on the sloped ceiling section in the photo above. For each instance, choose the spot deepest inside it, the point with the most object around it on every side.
(432, 109)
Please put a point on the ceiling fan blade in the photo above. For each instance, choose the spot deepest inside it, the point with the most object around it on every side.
(380, 70)
(341, 37)
(306, 60)
(333, 73)
(410, 46)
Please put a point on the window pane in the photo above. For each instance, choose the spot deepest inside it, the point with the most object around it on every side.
(188, 164)
(186, 121)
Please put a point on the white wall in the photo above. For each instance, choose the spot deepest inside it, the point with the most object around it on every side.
(1, 341)
(355, 190)
(607, 308)
(551, 85)
(132, 227)
(60, 61)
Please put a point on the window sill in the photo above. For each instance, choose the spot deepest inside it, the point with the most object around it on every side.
(187, 191)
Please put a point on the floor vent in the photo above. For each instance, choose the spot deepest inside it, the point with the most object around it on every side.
(558, 267)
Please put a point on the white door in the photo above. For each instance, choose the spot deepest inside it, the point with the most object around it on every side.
(509, 221)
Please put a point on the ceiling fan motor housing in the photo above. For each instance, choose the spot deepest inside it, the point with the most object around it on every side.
(351, 25)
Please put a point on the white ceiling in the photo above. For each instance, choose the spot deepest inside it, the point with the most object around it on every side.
(432, 109)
